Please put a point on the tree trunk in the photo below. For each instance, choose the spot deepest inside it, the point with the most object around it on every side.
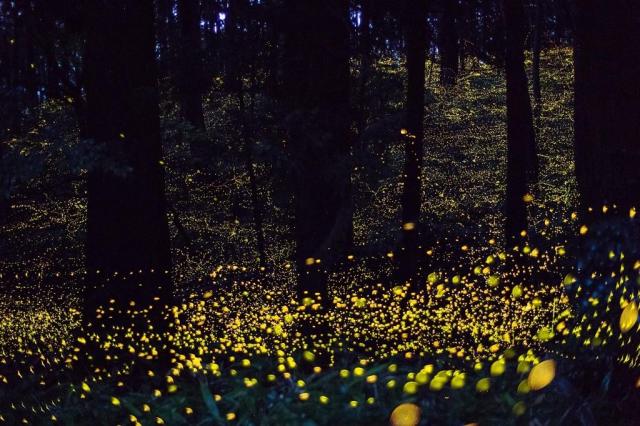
(190, 69)
(535, 70)
(163, 31)
(449, 54)
(127, 233)
(365, 66)
(316, 77)
(247, 137)
(521, 155)
(415, 23)
(607, 103)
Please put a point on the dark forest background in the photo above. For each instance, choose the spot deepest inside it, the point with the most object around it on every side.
(261, 131)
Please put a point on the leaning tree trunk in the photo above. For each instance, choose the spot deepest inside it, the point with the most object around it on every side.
(415, 23)
(607, 103)
(521, 155)
(127, 233)
(316, 77)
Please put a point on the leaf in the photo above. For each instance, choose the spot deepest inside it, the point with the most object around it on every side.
(210, 402)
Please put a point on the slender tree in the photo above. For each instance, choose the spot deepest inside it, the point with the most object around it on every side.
(164, 22)
(190, 68)
(536, 48)
(127, 233)
(607, 103)
(236, 26)
(316, 77)
(448, 43)
(521, 156)
(415, 29)
(365, 63)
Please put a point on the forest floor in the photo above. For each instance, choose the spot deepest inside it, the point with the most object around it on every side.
(465, 347)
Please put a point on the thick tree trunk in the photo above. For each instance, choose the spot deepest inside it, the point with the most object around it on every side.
(190, 69)
(607, 103)
(449, 45)
(521, 155)
(415, 22)
(127, 233)
(317, 85)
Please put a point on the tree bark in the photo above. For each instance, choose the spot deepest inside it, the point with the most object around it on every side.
(163, 34)
(190, 69)
(607, 103)
(536, 48)
(127, 233)
(521, 155)
(365, 65)
(415, 28)
(449, 45)
(316, 78)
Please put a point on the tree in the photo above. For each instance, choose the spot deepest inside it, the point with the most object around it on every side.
(448, 43)
(164, 24)
(521, 152)
(316, 78)
(415, 29)
(236, 25)
(127, 233)
(536, 47)
(190, 69)
(607, 103)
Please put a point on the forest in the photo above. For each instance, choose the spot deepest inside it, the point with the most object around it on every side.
(319, 212)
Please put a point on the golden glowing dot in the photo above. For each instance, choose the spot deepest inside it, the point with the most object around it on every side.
(527, 198)
(583, 229)
(407, 414)
(404, 132)
(519, 408)
(497, 368)
(115, 401)
(483, 385)
(410, 388)
(409, 226)
(629, 317)
(309, 261)
(304, 396)
(542, 375)
(231, 416)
